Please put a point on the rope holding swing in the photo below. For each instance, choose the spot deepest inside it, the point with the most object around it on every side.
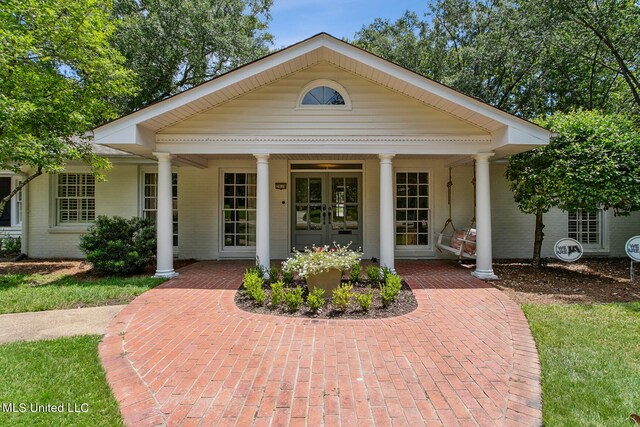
(449, 221)
(457, 243)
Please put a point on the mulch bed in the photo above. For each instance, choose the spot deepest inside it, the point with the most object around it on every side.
(596, 280)
(81, 269)
(405, 303)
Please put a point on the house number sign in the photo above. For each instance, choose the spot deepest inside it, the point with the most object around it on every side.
(568, 250)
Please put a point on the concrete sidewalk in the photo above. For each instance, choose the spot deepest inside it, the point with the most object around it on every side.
(42, 325)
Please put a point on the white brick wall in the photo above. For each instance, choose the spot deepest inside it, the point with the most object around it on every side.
(117, 196)
(199, 207)
(198, 193)
(513, 231)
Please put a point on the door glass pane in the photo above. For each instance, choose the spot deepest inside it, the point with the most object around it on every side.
(351, 187)
(337, 222)
(315, 190)
(315, 217)
(338, 203)
(351, 221)
(301, 217)
(302, 193)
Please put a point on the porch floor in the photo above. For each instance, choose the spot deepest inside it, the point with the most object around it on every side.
(184, 354)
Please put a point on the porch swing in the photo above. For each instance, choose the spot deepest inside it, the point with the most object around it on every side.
(459, 242)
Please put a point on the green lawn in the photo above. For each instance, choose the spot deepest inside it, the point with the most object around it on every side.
(590, 355)
(36, 292)
(62, 371)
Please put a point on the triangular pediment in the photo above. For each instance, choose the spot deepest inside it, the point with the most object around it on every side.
(445, 110)
(274, 110)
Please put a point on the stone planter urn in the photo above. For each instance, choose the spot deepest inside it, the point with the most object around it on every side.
(327, 280)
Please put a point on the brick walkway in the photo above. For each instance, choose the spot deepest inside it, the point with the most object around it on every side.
(183, 354)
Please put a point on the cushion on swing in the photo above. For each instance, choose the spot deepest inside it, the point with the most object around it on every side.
(470, 248)
(456, 239)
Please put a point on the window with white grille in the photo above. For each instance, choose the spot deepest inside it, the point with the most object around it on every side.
(412, 209)
(17, 200)
(150, 200)
(239, 209)
(586, 227)
(75, 198)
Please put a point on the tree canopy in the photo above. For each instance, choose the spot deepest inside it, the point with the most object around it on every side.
(173, 45)
(524, 56)
(59, 77)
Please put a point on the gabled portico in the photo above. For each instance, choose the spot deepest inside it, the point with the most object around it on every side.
(391, 132)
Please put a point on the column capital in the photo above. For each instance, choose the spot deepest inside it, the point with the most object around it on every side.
(386, 157)
(261, 157)
(483, 157)
(163, 156)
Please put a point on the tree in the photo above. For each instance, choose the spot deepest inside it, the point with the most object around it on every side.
(173, 45)
(59, 77)
(612, 26)
(593, 163)
(524, 56)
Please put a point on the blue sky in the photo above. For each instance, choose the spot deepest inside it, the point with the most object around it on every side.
(296, 20)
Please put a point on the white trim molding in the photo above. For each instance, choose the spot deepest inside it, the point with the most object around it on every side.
(418, 145)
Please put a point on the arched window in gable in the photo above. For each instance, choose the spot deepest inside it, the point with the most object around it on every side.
(324, 94)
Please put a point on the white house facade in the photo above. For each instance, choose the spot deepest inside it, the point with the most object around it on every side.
(321, 142)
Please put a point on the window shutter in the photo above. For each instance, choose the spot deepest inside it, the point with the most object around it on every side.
(5, 189)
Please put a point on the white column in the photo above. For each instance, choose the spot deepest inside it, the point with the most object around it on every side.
(164, 218)
(484, 258)
(262, 211)
(387, 241)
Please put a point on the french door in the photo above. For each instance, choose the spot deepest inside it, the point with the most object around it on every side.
(326, 208)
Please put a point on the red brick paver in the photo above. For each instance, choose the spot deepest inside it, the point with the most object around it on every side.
(184, 354)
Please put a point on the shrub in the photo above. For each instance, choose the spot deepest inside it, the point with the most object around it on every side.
(274, 274)
(10, 246)
(356, 272)
(277, 293)
(341, 297)
(293, 298)
(315, 299)
(253, 284)
(119, 246)
(373, 273)
(385, 272)
(389, 291)
(364, 300)
(256, 269)
(287, 277)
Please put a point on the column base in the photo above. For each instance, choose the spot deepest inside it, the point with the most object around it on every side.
(484, 275)
(165, 274)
